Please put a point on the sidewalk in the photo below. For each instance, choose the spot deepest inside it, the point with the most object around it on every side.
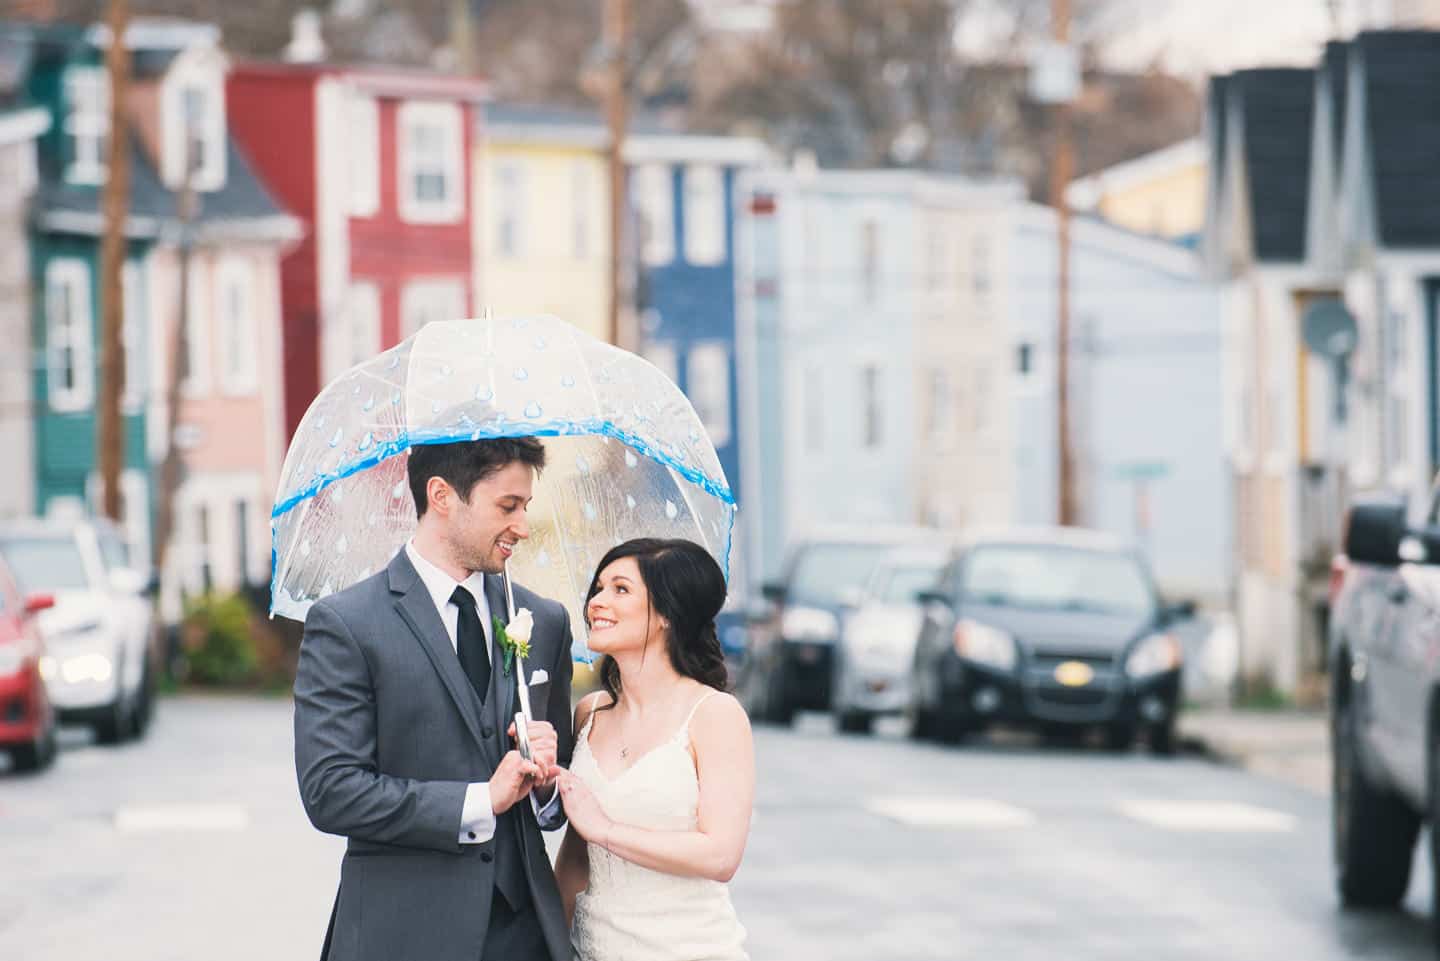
(1291, 746)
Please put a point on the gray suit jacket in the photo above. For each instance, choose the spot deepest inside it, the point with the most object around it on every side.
(388, 734)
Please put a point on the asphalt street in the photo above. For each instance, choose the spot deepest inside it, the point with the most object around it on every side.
(192, 845)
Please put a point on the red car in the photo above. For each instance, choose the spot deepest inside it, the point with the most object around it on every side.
(27, 721)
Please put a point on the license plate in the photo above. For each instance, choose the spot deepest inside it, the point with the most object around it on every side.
(1074, 674)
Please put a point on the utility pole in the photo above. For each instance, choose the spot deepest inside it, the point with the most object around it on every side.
(110, 438)
(1061, 172)
(617, 110)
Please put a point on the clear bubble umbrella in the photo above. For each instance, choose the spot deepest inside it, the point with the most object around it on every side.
(626, 457)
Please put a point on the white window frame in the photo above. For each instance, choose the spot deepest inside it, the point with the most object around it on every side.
(704, 215)
(135, 334)
(871, 396)
(87, 123)
(70, 336)
(362, 127)
(1399, 408)
(940, 390)
(208, 82)
(510, 184)
(235, 323)
(655, 205)
(362, 323)
(448, 162)
(707, 384)
(434, 298)
(814, 405)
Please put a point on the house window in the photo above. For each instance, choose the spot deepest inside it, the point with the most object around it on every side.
(133, 334)
(1024, 358)
(815, 409)
(424, 301)
(431, 158)
(234, 311)
(87, 123)
(195, 131)
(655, 204)
(68, 339)
(580, 202)
(708, 387)
(198, 309)
(872, 416)
(202, 547)
(509, 209)
(363, 324)
(941, 405)
(363, 119)
(704, 215)
(870, 260)
(242, 542)
(980, 265)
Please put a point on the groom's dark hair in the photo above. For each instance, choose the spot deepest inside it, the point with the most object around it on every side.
(464, 464)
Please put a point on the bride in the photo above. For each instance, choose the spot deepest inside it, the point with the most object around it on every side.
(660, 789)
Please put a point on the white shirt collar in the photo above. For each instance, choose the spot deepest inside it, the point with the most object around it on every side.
(441, 585)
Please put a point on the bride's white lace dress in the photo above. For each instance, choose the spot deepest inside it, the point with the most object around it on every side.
(630, 913)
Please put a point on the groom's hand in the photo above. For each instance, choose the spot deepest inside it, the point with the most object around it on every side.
(544, 748)
(512, 781)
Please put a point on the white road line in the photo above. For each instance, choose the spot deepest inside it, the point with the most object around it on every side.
(950, 812)
(148, 818)
(1218, 816)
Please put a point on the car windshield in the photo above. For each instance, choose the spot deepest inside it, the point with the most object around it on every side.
(899, 585)
(44, 564)
(824, 572)
(1050, 577)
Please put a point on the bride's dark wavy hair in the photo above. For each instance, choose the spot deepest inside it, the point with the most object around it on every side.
(687, 589)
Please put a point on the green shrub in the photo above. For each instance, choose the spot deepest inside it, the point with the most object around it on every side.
(218, 641)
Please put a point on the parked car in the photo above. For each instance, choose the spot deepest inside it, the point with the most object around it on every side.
(27, 720)
(101, 629)
(1059, 629)
(789, 659)
(1384, 656)
(877, 638)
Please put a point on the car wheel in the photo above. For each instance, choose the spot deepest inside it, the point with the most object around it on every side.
(855, 722)
(36, 756)
(1373, 830)
(1161, 738)
(115, 726)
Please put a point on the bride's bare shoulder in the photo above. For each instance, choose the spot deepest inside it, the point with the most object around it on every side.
(589, 704)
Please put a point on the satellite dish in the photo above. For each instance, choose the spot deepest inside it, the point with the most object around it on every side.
(1329, 329)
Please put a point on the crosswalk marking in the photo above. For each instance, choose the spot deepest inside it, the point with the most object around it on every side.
(951, 812)
(1207, 816)
(148, 818)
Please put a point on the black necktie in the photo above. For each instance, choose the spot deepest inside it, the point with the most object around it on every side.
(470, 642)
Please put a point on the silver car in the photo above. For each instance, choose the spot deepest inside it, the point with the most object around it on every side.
(877, 640)
(100, 632)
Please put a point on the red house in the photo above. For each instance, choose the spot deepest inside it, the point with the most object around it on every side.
(377, 163)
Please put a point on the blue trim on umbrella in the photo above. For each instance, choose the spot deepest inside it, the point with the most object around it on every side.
(511, 429)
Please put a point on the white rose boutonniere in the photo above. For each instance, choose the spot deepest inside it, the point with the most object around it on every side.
(514, 638)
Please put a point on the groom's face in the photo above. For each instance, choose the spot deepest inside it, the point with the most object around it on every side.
(484, 530)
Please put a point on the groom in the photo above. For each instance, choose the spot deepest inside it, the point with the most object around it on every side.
(403, 734)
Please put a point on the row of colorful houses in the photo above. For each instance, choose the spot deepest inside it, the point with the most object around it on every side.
(862, 346)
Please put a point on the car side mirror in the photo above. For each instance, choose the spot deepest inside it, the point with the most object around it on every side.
(1374, 528)
(36, 603)
(773, 591)
(933, 597)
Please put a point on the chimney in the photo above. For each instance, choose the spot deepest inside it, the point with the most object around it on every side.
(307, 45)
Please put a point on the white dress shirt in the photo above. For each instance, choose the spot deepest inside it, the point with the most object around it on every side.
(477, 816)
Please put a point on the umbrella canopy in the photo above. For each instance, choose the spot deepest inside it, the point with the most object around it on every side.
(626, 457)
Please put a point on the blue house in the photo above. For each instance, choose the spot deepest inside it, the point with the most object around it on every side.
(682, 195)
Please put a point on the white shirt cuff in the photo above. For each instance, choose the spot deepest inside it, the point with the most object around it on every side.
(477, 816)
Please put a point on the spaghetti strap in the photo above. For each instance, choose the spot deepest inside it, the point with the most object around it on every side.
(685, 728)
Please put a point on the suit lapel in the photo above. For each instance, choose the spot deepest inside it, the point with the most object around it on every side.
(501, 683)
(417, 610)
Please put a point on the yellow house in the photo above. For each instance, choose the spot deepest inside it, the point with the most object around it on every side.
(1161, 193)
(543, 243)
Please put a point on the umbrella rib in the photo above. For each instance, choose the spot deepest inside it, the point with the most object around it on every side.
(565, 563)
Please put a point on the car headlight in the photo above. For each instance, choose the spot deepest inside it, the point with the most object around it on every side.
(985, 644)
(1154, 655)
(87, 667)
(11, 660)
(809, 624)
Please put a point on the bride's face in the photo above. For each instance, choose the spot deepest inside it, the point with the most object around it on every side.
(619, 611)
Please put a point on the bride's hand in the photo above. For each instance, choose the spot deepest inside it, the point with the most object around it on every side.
(582, 809)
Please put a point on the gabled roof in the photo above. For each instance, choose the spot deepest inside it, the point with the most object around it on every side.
(1400, 73)
(1275, 107)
